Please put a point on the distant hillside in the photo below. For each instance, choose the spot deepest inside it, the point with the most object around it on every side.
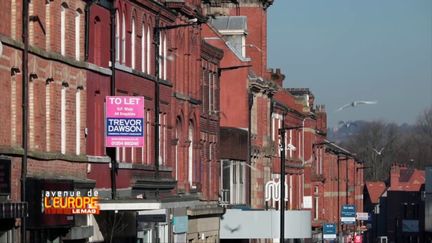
(341, 133)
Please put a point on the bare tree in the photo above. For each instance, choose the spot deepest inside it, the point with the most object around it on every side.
(375, 143)
(380, 144)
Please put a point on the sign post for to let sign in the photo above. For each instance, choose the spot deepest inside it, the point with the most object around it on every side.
(124, 121)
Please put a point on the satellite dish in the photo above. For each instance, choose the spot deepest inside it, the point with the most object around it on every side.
(1, 48)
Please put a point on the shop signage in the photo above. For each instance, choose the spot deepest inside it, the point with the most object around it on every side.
(124, 121)
(362, 216)
(180, 224)
(273, 191)
(70, 202)
(348, 214)
(329, 231)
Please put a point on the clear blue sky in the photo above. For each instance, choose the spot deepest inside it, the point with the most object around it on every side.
(346, 50)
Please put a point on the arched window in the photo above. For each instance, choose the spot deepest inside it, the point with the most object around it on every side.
(190, 153)
(77, 33)
(78, 121)
(133, 43)
(164, 53)
(117, 37)
(143, 46)
(148, 50)
(177, 147)
(160, 54)
(63, 28)
(123, 38)
(63, 120)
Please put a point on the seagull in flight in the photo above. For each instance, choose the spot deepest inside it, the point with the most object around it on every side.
(356, 103)
(232, 229)
(378, 152)
(346, 124)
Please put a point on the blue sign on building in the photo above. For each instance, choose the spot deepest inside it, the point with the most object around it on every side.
(348, 214)
(180, 224)
(329, 231)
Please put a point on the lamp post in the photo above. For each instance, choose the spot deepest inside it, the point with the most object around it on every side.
(156, 41)
(282, 178)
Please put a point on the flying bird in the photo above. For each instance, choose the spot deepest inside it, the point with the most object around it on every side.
(378, 152)
(232, 229)
(346, 124)
(356, 103)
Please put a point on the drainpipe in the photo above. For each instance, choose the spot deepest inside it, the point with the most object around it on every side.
(156, 40)
(25, 20)
(112, 151)
(346, 179)
(281, 132)
(249, 146)
(303, 161)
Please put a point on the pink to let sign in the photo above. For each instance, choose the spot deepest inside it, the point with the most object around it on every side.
(124, 123)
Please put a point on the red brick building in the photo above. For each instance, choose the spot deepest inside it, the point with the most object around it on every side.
(337, 180)
(212, 110)
(42, 139)
(245, 96)
(178, 76)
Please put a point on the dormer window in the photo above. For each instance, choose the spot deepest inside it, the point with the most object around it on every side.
(234, 30)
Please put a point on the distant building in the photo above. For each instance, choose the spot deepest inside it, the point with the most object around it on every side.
(399, 215)
(428, 204)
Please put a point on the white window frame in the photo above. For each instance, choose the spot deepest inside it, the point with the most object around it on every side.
(177, 147)
(165, 138)
(148, 50)
(190, 152)
(290, 142)
(161, 125)
(316, 203)
(133, 36)
(273, 127)
(210, 93)
(62, 30)
(78, 121)
(123, 38)
(160, 55)
(290, 195)
(164, 56)
(77, 34)
(63, 120)
(148, 138)
(117, 37)
(48, 116)
(143, 52)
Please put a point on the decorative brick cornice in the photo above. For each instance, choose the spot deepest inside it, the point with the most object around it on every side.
(258, 85)
(211, 53)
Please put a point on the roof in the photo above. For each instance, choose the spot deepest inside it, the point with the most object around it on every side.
(404, 178)
(300, 91)
(230, 23)
(375, 190)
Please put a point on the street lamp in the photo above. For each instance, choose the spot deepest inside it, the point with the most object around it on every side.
(282, 178)
(156, 40)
